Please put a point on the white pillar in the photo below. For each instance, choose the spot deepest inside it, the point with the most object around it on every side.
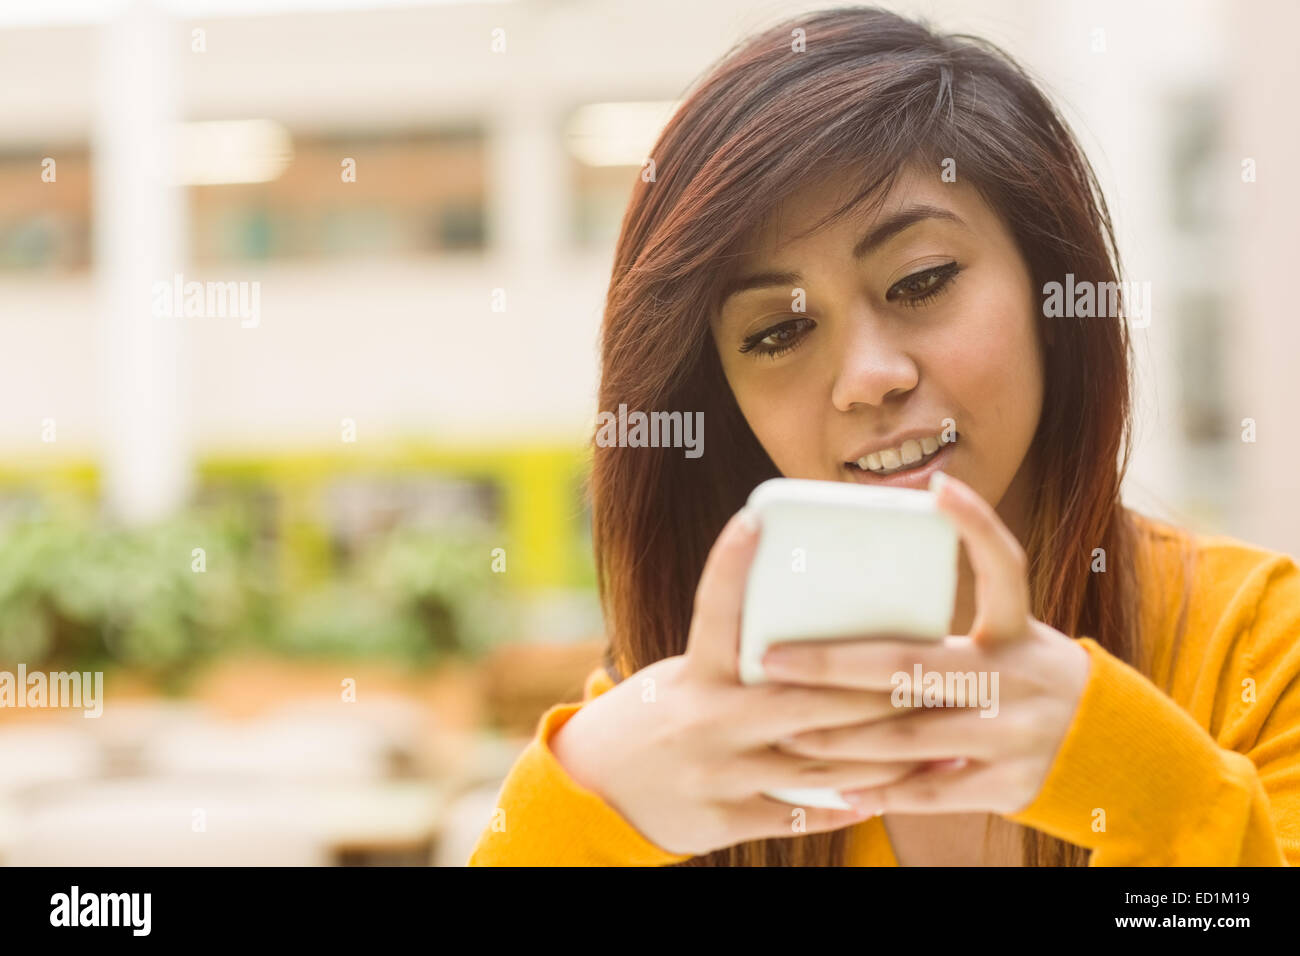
(528, 215)
(138, 240)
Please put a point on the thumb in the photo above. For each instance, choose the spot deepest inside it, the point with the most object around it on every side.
(713, 645)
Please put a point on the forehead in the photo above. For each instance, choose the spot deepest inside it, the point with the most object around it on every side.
(788, 225)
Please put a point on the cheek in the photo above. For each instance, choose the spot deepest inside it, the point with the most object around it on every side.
(984, 369)
(996, 372)
(781, 419)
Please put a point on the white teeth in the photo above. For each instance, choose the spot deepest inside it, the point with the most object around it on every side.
(907, 454)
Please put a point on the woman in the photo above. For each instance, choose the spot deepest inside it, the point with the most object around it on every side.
(842, 260)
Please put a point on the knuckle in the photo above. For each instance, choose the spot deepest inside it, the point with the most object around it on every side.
(814, 662)
(904, 728)
(675, 675)
(697, 785)
(793, 702)
(1025, 730)
(724, 823)
(1034, 731)
(811, 743)
(1027, 778)
(901, 770)
(1013, 735)
(668, 736)
(731, 778)
(925, 792)
(674, 668)
(817, 770)
(676, 728)
(902, 661)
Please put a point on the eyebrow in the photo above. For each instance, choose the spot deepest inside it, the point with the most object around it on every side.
(879, 234)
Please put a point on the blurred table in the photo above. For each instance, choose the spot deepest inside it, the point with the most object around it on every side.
(169, 821)
(390, 822)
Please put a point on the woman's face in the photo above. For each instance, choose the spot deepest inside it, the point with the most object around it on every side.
(915, 346)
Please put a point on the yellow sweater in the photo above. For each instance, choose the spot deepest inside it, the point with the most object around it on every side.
(1207, 775)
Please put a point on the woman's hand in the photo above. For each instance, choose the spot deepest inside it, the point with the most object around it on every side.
(683, 750)
(995, 758)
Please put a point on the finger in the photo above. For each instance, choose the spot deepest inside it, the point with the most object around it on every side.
(973, 788)
(877, 664)
(997, 558)
(761, 818)
(713, 645)
(915, 736)
(782, 710)
(764, 770)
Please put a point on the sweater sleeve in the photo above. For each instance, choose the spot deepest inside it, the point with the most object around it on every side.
(544, 818)
(1142, 782)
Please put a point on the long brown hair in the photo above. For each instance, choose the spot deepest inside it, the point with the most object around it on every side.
(868, 93)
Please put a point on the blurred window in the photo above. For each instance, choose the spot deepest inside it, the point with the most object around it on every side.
(45, 226)
(414, 192)
(422, 191)
(601, 195)
(609, 146)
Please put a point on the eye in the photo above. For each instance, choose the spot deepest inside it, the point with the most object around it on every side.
(777, 339)
(920, 287)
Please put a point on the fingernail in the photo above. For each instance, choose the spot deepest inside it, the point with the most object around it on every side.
(748, 519)
(937, 481)
(864, 803)
(777, 662)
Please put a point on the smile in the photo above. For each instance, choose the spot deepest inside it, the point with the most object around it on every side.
(909, 464)
(913, 453)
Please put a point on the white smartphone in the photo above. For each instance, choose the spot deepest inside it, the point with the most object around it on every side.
(840, 560)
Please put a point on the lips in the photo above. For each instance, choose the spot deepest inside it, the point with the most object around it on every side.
(915, 474)
(892, 461)
(907, 451)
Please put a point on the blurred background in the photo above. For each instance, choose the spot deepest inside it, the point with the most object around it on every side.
(334, 559)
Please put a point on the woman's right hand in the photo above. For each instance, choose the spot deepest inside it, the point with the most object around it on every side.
(683, 750)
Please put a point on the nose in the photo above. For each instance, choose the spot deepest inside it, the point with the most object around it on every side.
(872, 367)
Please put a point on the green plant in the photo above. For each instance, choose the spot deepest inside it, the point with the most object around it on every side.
(417, 594)
(80, 593)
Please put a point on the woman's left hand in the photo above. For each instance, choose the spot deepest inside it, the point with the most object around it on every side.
(1034, 673)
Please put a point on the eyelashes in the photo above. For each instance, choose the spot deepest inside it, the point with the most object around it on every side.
(925, 285)
(912, 291)
(754, 342)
